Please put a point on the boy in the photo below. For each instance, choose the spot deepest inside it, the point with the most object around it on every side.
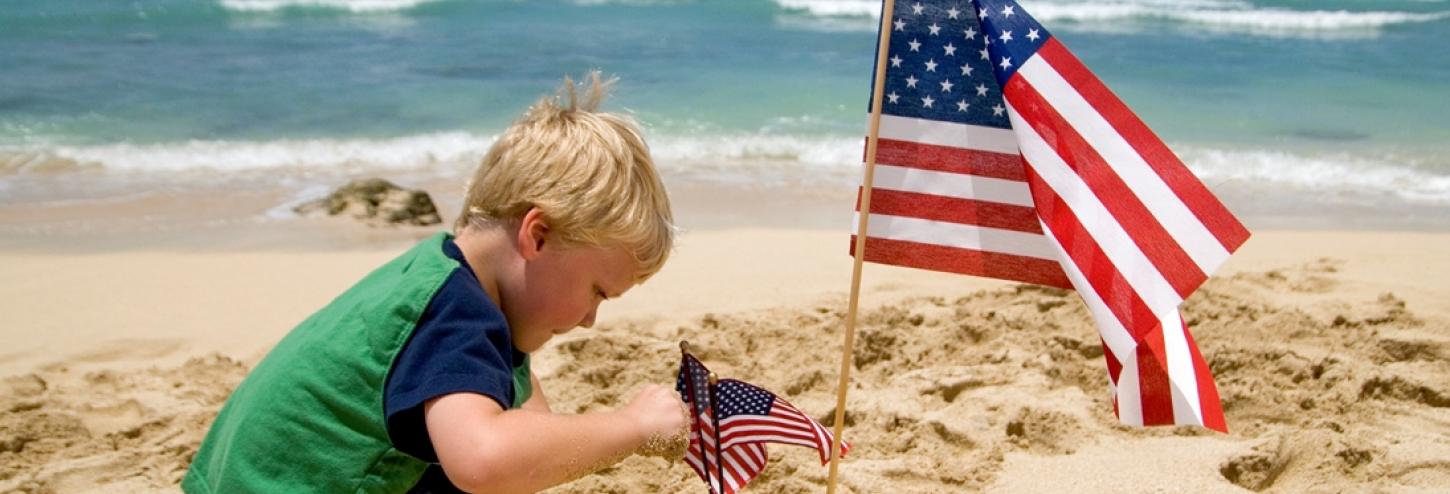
(426, 360)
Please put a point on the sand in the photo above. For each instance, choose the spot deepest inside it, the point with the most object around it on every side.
(1331, 351)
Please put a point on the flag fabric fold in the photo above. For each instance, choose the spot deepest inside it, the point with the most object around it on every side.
(1001, 155)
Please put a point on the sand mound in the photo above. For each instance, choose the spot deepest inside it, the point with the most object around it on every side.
(997, 390)
(111, 431)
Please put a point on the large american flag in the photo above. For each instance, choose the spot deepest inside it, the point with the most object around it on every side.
(1001, 155)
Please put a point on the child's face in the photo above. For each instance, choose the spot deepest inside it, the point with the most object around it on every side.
(561, 289)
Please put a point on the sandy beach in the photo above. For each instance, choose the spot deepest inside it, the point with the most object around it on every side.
(153, 154)
(1329, 348)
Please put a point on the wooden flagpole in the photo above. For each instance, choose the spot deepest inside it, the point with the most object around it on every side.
(695, 418)
(715, 419)
(847, 349)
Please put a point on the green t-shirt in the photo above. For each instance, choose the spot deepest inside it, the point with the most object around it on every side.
(310, 416)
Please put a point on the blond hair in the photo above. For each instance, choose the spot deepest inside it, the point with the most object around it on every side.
(589, 172)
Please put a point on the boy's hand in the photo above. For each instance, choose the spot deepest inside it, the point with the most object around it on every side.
(663, 420)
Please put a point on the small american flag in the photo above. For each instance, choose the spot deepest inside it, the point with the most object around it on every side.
(1001, 155)
(748, 417)
(741, 462)
(751, 414)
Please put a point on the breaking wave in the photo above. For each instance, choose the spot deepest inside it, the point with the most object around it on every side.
(833, 158)
(1207, 14)
(358, 6)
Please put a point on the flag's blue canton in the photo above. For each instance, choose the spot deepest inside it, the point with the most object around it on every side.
(696, 392)
(938, 65)
(738, 398)
(1015, 35)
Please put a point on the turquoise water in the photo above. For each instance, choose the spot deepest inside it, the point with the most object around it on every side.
(1346, 96)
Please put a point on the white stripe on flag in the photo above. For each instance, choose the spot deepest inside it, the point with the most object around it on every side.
(956, 185)
(1186, 406)
(754, 430)
(948, 134)
(957, 235)
(1165, 205)
(1142, 275)
(1130, 396)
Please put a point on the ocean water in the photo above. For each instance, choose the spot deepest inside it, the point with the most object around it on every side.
(1293, 110)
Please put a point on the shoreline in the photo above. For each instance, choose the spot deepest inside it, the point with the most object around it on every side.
(253, 214)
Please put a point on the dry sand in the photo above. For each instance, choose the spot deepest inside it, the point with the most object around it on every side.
(1331, 351)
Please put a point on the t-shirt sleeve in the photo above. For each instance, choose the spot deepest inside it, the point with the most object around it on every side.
(458, 346)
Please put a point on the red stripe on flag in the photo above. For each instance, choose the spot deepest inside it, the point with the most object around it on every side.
(1110, 286)
(1114, 365)
(1156, 390)
(949, 159)
(1194, 194)
(1091, 261)
(1208, 400)
(964, 261)
(952, 210)
(1147, 233)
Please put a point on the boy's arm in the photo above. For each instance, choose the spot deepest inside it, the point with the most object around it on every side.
(536, 401)
(484, 448)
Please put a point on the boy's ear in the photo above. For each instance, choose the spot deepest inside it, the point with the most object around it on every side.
(533, 230)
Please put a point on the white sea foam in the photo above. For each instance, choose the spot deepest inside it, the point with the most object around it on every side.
(1331, 174)
(1229, 16)
(399, 153)
(348, 5)
(757, 151)
(729, 157)
(1213, 15)
(835, 7)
